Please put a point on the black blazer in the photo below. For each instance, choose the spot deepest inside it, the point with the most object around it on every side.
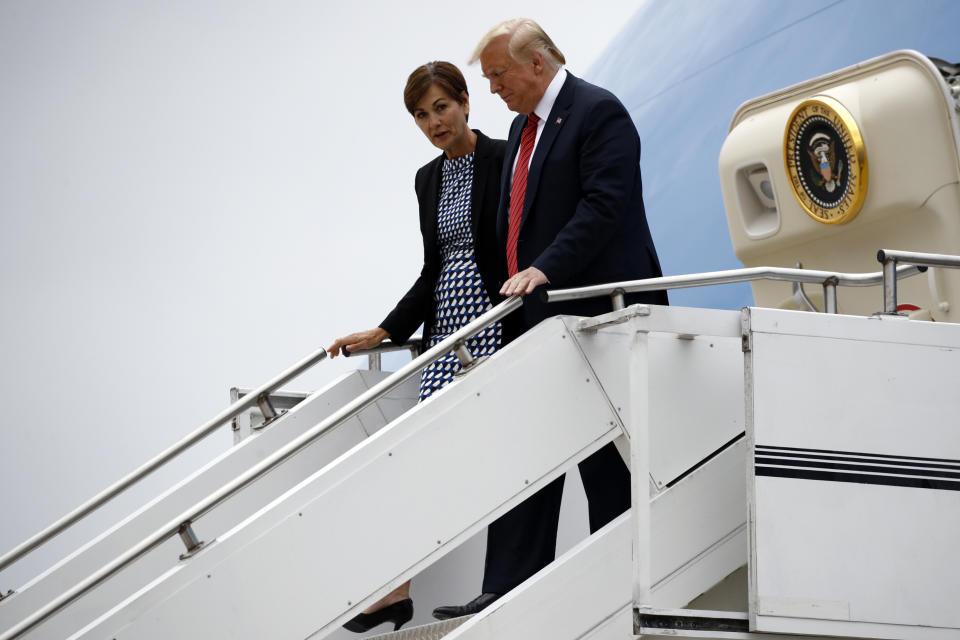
(583, 216)
(418, 305)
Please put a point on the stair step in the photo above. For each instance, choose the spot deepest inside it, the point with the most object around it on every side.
(432, 631)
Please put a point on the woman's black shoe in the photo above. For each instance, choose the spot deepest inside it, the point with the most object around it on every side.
(399, 613)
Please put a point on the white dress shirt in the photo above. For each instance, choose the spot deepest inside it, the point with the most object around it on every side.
(543, 109)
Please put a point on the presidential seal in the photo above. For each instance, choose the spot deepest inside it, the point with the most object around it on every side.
(825, 160)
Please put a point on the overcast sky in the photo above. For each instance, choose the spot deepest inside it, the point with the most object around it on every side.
(196, 194)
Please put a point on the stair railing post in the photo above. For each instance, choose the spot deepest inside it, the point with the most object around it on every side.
(830, 295)
(616, 298)
(189, 539)
(266, 407)
(889, 283)
(463, 355)
(265, 404)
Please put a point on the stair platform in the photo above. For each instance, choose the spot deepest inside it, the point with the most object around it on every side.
(432, 631)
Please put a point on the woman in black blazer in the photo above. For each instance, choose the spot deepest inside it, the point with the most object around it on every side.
(463, 264)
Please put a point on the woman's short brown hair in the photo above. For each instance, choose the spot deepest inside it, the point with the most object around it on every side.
(443, 74)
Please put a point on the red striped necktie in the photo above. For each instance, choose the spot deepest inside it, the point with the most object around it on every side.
(518, 190)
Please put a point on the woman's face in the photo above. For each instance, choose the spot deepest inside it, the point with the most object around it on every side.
(444, 121)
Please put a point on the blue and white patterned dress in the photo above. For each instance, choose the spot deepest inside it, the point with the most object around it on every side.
(460, 294)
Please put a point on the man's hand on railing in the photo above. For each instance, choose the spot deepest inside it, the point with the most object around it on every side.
(524, 282)
(359, 340)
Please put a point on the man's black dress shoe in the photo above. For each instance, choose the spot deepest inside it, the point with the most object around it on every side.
(476, 605)
(399, 613)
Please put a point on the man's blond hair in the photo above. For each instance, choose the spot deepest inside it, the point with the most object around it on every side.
(526, 38)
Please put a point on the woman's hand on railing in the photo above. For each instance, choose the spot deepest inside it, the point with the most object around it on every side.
(359, 340)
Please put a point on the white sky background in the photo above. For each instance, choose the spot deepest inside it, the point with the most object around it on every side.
(193, 196)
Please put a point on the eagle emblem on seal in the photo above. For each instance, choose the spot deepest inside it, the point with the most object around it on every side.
(823, 155)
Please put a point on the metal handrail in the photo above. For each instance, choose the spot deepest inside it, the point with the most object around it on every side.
(373, 354)
(412, 344)
(890, 257)
(829, 279)
(184, 521)
(257, 396)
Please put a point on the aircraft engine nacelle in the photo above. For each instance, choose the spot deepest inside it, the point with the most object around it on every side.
(828, 171)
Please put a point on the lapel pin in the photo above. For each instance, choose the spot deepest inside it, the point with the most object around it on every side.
(559, 120)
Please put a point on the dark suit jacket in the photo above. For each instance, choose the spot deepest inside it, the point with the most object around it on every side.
(418, 305)
(583, 217)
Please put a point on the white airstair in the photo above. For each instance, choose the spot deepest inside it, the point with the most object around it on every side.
(312, 553)
(569, 388)
(795, 475)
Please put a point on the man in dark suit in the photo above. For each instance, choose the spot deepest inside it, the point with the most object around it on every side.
(571, 213)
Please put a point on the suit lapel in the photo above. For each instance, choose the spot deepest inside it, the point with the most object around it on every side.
(556, 120)
(432, 202)
(480, 176)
